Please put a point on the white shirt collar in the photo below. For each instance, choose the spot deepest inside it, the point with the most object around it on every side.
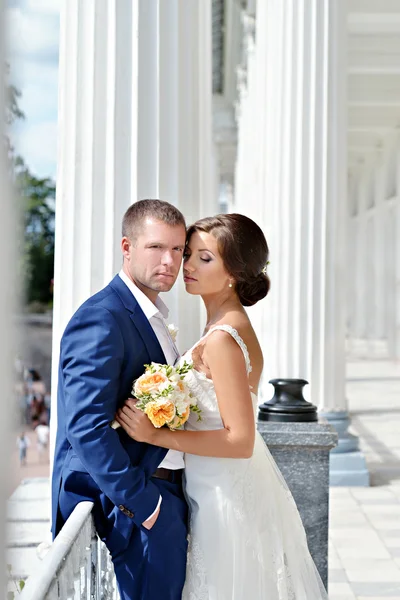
(159, 308)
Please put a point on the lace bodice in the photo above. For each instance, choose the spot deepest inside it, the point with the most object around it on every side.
(203, 389)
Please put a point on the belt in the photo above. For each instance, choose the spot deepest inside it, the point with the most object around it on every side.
(171, 475)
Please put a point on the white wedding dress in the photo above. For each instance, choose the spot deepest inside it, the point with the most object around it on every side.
(247, 541)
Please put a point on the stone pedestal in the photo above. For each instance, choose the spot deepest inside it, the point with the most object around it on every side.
(301, 451)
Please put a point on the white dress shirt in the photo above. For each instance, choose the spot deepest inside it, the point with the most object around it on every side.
(156, 313)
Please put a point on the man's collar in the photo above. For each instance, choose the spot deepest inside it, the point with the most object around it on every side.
(147, 306)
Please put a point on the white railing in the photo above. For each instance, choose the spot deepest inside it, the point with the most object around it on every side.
(77, 565)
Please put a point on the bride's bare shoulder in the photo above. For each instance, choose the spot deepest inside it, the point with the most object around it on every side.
(241, 323)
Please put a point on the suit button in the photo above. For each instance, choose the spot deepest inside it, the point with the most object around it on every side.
(126, 512)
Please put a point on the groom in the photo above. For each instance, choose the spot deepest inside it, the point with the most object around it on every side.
(139, 508)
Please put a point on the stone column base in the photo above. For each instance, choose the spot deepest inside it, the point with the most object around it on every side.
(347, 463)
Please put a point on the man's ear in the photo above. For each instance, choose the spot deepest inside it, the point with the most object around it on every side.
(126, 246)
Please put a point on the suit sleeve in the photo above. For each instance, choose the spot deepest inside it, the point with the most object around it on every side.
(92, 352)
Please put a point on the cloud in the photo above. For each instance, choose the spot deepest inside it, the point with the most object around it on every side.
(44, 6)
(32, 36)
(33, 40)
(37, 144)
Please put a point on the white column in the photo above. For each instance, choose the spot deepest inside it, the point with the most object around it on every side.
(351, 236)
(303, 190)
(9, 307)
(96, 178)
(251, 117)
(379, 281)
(396, 254)
(196, 182)
(169, 47)
(148, 113)
(392, 248)
(371, 334)
(207, 160)
(302, 180)
(248, 116)
(134, 122)
(194, 185)
(185, 151)
(361, 263)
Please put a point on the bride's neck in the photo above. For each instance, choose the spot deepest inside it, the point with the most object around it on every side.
(217, 307)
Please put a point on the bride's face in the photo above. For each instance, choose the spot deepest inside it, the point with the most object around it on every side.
(204, 272)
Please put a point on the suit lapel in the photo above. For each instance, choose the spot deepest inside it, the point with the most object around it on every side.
(139, 320)
(148, 336)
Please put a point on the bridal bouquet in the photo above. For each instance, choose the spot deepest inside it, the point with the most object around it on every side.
(164, 396)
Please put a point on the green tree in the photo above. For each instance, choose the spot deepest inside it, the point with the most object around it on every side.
(36, 197)
(37, 251)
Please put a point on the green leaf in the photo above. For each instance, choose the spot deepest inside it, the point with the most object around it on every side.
(10, 596)
(21, 584)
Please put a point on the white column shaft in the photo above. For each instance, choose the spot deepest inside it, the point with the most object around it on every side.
(97, 92)
(169, 102)
(379, 279)
(148, 95)
(303, 193)
(96, 151)
(195, 190)
(208, 187)
(396, 254)
(351, 233)
(134, 122)
(361, 262)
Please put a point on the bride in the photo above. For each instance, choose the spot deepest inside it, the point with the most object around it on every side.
(246, 536)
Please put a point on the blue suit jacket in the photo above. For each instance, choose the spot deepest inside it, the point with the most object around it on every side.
(104, 348)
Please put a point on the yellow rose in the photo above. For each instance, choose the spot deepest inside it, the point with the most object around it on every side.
(149, 382)
(160, 412)
(179, 421)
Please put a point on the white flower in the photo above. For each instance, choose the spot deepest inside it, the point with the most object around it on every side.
(174, 378)
(164, 386)
(181, 405)
(173, 331)
(157, 367)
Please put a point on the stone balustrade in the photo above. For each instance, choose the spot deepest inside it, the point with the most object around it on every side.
(77, 565)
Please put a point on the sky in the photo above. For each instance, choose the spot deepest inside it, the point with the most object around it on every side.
(32, 49)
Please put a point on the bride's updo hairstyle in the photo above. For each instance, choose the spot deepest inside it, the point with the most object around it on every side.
(243, 249)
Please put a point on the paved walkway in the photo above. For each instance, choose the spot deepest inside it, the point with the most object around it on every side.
(364, 555)
(28, 511)
(36, 465)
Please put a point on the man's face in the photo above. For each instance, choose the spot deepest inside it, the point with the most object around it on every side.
(152, 258)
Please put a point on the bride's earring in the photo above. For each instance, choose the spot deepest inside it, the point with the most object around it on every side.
(230, 285)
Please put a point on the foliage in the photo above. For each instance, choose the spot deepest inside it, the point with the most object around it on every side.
(37, 240)
(36, 205)
(18, 583)
(12, 112)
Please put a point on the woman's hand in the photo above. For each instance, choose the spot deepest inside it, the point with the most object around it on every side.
(135, 422)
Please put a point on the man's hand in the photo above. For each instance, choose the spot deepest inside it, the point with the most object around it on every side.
(148, 524)
(135, 422)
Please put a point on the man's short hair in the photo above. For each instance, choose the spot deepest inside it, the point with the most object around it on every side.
(156, 209)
